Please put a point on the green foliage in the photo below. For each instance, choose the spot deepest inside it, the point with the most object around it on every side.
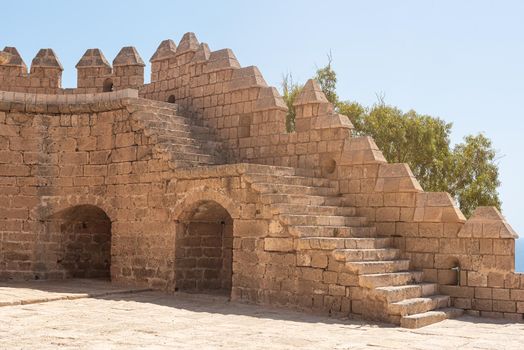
(468, 171)
(475, 176)
(419, 140)
(355, 112)
(327, 79)
(290, 91)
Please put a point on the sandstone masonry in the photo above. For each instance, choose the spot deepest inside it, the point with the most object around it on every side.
(191, 183)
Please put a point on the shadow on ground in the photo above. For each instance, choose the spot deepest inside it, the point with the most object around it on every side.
(21, 293)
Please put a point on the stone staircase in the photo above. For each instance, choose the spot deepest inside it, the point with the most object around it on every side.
(186, 139)
(319, 220)
(322, 223)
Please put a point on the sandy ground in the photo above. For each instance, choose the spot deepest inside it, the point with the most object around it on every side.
(96, 315)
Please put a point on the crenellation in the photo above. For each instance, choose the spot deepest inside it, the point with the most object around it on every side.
(199, 178)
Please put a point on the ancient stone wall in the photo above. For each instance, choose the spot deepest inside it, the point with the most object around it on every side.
(94, 74)
(138, 161)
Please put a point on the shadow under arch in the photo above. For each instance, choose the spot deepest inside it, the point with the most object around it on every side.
(77, 243)
(204, 246)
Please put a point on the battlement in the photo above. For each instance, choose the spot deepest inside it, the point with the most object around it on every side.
(319, 220)
(95, 73)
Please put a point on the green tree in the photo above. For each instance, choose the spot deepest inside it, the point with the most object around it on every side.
(468, 171)
(355, 112)
(327, 79)
(421, 141)
(475, 175)
(290, 91)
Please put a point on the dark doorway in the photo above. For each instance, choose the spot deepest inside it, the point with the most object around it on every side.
(204, 249)
(81, 237)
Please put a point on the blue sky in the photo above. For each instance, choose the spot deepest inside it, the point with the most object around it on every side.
(460, 60)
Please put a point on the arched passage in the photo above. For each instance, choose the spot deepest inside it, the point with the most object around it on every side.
(204, 249)
(81, 238)
(171, 99)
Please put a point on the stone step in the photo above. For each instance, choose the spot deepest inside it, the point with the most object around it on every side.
(290, 180)
(393, 294)
(148, 104)
(170, 139)
(389, 279)
(190, 164)
(284, 208)
(177, 150)
(332, 231)
(330, 243)
(261, 169)
(370, 267)
(266, 187)
(322, 220)
(418, 305)
(160, 117)
(196, 157)
(181, 148)
(430, 317)
(173, 126)
(180, 133)
(300, 199)
(381, 254)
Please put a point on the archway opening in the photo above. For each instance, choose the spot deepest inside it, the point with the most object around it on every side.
(81, 238)
(108, 85)
(204, 249)
(171, 99)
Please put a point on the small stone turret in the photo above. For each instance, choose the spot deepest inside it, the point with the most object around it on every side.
(186, 48)
(202, 54)
(12, 63)
(94, 72)
(46, 70)
(313, 110)
(163, 56)
(128, 69)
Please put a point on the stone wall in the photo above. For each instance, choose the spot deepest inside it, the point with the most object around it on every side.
(63, 148)
(94, 74)
(78, 244)
(59, 153)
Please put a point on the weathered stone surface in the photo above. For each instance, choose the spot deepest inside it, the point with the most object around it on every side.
(13, 57)
(128, 56)
(203, 189)
(166, 50)
(46, 58)
(93, 58)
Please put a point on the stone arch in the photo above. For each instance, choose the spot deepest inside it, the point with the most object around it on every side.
(108, 85)
(77, 243)
(204, 245)
(205, 194)
(171, 99)
(54, 204)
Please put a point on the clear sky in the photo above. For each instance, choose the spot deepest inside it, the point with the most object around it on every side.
(460, 60)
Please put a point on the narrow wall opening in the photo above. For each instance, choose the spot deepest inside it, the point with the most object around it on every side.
(79, 243)
(171, 99)
(108, 85)
(204, 249)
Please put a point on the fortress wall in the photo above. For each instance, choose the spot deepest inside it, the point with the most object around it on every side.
(61, 152)
(249, 117)
(84, 154)
(94, 73)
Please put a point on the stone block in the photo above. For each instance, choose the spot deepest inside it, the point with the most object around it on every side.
(279, 245)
